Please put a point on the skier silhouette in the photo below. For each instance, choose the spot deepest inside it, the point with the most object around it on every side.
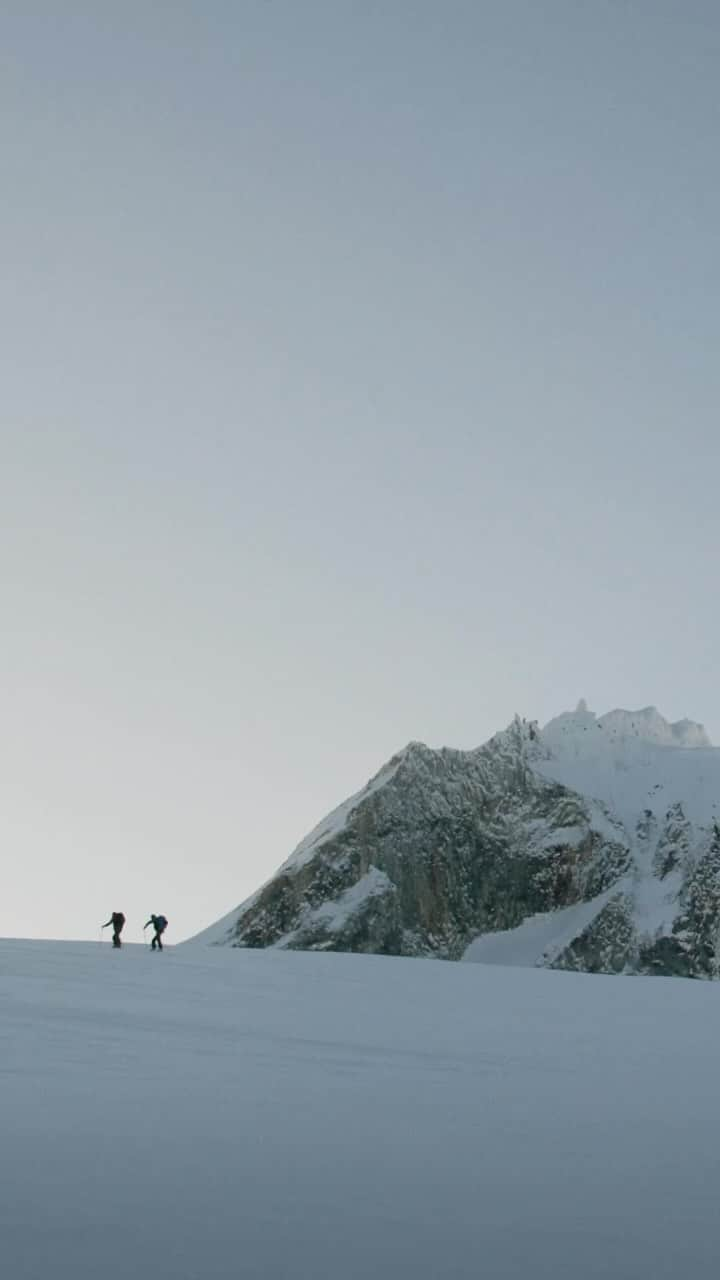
(117, 920)
(159, 924)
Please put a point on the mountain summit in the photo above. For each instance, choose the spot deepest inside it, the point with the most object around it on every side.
(590, 844)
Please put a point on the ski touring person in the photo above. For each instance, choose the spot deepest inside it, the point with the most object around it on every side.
(159, 924)
(117, 920)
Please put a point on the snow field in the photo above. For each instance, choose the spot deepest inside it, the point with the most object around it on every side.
(211, 1113)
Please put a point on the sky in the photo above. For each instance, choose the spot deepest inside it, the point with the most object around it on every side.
(359, 385)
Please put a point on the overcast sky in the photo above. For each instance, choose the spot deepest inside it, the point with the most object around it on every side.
(359, 384)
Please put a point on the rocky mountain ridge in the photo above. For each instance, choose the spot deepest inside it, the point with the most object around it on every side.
(589, 844)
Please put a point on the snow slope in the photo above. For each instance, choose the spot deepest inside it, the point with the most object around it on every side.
(540, 938)
(335, 822)
(633, 761)
(211, 1112)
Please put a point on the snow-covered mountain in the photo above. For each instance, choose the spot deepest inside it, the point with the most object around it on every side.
(590, 844)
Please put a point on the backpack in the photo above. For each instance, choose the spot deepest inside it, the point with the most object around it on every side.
(118, 919)
(160, 924)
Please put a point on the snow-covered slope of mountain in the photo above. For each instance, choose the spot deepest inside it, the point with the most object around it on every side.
(590, 844)
(209, 1113)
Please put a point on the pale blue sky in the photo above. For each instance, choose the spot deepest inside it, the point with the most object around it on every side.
(360, 382)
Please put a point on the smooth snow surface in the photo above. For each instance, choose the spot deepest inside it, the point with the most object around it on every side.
(209, 1113)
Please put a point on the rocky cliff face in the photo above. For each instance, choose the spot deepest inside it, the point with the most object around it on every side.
(588, 845)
